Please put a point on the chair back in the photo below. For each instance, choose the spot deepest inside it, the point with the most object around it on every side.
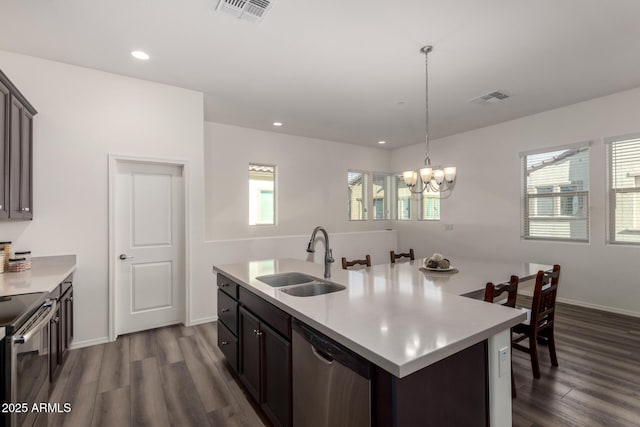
(366, 261)
(394, 256)
(491, 291)
(544, 298)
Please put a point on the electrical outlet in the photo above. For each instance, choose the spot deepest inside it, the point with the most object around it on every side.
(448, 227)
(504, 362)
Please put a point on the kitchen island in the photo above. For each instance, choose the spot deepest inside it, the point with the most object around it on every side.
(407, 322)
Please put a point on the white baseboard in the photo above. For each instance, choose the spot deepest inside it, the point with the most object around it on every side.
(88, 343)
(606, 308)
(202, 320)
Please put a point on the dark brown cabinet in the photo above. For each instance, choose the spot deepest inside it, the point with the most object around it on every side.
(265, 366)
(259, 349)
(249, 367)
(61, 328)
(16, 158)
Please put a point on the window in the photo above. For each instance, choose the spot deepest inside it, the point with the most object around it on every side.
(403, 199)
(623, 158)
(430, 206)
(262, 206)
(357, 190)
(381, 196)
(556, 194)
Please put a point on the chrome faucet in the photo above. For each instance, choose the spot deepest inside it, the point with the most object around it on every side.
(328, 255)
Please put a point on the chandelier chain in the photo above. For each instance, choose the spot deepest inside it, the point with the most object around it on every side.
(426, 50)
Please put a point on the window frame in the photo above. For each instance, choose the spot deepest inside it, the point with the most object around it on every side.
(388, 196)
(367, 185)
(397, 177)
(275, 193)
(611, 192)
(421, 205)
(555, 196)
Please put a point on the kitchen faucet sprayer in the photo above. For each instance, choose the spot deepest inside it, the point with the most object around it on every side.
(328, 254)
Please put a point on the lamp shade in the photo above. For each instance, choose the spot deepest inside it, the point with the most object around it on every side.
(450, 173)
(425, 174)
(410, 178)
(438, 175)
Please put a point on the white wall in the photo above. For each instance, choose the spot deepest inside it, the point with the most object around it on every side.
(83, 115)
(311, 181)
(485, 205)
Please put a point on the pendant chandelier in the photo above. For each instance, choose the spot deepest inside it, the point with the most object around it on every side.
(429, 178)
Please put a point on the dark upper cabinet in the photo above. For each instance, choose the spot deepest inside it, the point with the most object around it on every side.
(5, 107)
(16, 160)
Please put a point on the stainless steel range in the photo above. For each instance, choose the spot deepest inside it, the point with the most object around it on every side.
(26, 319)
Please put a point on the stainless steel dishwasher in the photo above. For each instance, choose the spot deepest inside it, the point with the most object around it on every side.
(331, 384)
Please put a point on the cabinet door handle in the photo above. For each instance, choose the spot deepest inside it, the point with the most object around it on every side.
(224, 285)
(70, 298)
(225, 343)
(259, 334)
(56, 319)
(0, 207)
(225, 310)
(25, 209)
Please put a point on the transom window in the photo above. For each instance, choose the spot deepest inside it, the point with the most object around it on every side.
(555, 194)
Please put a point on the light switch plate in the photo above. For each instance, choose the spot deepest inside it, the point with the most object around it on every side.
(503, 361)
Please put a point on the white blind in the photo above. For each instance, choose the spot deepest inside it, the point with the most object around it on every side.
(623, 157)
(430, 206)
(555, 194)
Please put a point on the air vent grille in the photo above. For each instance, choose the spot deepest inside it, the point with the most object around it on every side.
(490, 98)
(248, 10)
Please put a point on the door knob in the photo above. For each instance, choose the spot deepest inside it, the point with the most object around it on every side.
(124, 256)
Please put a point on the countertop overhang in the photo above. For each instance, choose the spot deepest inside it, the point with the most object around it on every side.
(398, 322)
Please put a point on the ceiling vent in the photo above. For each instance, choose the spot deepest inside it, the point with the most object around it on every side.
(490, 98)
(248, 10)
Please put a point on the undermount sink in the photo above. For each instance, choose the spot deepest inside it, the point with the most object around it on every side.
(300, 284)
(313, 289)
(286, 279)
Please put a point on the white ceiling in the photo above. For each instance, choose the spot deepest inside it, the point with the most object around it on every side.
(337, 69)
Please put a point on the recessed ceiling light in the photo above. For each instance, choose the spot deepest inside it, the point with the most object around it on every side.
(277, 124)
(138, 54)
(382, 142)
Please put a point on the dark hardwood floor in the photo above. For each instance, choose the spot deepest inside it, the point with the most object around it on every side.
(597, 382)
(177, 376)
(173, 376)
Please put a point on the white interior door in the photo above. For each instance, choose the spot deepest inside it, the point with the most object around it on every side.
(149, 246)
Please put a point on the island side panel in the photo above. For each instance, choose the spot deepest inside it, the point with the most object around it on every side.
(453, 391)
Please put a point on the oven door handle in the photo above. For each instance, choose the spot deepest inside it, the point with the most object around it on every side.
(52, 304)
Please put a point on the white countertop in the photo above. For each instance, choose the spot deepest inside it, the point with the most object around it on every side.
(46, 273)
(397, 317)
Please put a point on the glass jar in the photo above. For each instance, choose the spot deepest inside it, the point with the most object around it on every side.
(16, 265)
(27, 258)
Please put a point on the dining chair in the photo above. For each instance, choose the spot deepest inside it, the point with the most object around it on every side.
(491, 293)
(394, 256)
(539, 327)
(366, 261)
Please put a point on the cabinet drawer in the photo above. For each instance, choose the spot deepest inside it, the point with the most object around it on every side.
(228, 344)
(267, 312)
(228, 286)
(228, 311)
